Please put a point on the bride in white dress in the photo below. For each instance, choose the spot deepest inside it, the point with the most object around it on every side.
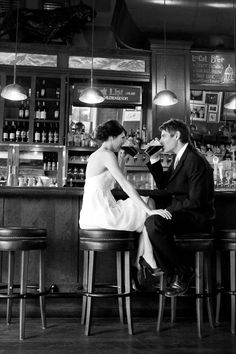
(101, 210)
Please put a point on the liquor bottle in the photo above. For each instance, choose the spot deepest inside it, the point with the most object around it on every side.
(56, 135)
(50, 134)
(49, 162)
(23, 133)
(43, 113)
(5, 133)
(27, 134)
(44, 134)
(37, 135)
(43, 89)
(144, 135)
(12, 134)
(21, 110)
(54, 162)
(57, 92)
(56, 112)
(17, 132)
(38, 111)
(27, 111)
(45, 161)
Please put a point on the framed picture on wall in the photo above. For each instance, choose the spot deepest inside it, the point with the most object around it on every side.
(197, 96)
(213, 98)
(212, 117)
(198, 112)
(213, 103)
(212, 108)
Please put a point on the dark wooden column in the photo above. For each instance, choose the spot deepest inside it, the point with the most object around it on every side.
(176, 64)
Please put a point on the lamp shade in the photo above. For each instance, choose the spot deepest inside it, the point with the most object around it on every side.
(91, 95)
(231, 102)
(14, 92)
(165, 98)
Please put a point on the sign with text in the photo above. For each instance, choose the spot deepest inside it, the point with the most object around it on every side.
(120, 95)
(212, 68)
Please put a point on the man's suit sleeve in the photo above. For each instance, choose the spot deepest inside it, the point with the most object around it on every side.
(160, 177)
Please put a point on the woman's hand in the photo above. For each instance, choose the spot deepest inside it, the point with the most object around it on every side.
(162, 212)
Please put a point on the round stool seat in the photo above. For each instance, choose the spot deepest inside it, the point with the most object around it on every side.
(195, 241)
(227, 239)
(104, 239)
(22, 238)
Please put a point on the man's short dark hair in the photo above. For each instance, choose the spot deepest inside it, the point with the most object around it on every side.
(174, 125)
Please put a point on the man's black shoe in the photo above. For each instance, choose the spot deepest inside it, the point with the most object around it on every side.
(179, 286)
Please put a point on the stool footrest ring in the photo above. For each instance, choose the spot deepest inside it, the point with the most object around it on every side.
(105, 294)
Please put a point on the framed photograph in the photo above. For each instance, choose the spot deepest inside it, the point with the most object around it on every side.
(213, 98)
(212, 118)
(212, 108)
(131, 115)
(198, 112)
(197, 97)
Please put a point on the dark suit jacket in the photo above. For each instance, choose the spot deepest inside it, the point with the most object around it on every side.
(191, 184)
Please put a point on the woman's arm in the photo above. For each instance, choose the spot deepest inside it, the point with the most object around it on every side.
(111, 164)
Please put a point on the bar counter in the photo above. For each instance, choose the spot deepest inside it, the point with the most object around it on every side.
(57, 210)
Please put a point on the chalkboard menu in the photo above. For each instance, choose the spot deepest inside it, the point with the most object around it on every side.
(118, 95)
(212, 68)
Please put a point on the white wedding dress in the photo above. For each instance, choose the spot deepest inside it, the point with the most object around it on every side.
(101, 210)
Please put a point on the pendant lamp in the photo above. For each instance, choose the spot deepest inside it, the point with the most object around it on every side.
(231, 100)
(165, 97)
(14, 92)
(91, 95)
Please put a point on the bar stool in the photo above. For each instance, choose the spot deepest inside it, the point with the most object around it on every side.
(201, 244)
(226, 242)
(23, 240)
(121, 242)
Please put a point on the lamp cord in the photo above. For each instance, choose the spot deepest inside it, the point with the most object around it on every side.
(164, 29)
(92, 44)
(17, 26)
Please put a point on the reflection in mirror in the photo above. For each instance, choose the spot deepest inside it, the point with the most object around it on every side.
(86, 119)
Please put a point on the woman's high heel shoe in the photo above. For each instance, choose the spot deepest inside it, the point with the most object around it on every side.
(135, 281)
(155, 272)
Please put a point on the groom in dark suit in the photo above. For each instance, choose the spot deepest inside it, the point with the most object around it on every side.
(189, 182)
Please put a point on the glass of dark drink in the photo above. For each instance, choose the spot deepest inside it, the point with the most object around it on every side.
(153, 147)
(129, 149)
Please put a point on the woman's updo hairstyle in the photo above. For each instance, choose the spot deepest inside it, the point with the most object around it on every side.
(109, 128)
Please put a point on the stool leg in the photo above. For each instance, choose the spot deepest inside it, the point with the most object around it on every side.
(208, 285)
(23, 283)
(90, 290)
(10, 283)
(199, 290)
(173, 308)
(85, 285)
(42, 288)
(120, 284)
(161, 302)
(128, 290)
(218, 286)
(232, 289)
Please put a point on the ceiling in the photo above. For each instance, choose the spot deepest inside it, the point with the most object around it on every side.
(207, 24)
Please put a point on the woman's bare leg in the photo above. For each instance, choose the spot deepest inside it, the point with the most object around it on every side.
(145, 247)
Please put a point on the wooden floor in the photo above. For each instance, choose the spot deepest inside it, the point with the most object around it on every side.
(65, 336)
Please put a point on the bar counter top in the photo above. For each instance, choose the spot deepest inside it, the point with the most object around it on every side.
(77, 192)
